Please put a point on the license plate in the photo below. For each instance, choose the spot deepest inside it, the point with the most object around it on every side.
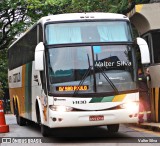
(96, 118)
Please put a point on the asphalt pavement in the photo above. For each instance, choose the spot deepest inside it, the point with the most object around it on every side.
(83, 136)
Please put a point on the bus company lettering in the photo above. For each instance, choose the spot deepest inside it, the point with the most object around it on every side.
(16, 78)
(10, 79)
(72, 88)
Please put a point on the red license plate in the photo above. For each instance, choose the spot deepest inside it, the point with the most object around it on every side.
(96, 118)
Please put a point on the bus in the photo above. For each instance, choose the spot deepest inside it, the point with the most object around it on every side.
(148, 27)
(78, 69)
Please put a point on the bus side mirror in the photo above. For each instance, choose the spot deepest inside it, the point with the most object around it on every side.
(145, 56)
(39, 56)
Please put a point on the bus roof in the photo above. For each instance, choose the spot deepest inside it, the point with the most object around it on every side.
(75, 16)
(82, 16)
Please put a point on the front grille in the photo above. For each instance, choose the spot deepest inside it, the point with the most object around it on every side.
(80, 110)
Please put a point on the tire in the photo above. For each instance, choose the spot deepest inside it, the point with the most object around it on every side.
(113, 128)
(44, 129)
(20, 121)
(14, 109)
(38, 114)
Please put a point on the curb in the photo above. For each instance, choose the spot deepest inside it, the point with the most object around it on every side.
(149, 126)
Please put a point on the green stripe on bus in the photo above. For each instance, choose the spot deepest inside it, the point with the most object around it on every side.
(28, 91)
(102, 99)
(108, 99)
(96, 99)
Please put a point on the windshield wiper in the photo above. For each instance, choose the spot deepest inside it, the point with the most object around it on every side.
(107, 78)
(84, 77)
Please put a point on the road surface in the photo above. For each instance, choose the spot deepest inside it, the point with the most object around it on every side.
(84, 136)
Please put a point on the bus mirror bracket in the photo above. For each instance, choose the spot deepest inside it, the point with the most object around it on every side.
(39, 57)
(144, 50)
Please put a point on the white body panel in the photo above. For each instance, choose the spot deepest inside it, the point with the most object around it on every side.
(82, 16)
(74, 119)
(92, 106)
(81, 118)
(36, 90)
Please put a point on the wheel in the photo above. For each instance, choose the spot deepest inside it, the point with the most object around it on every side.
(113, 128)
(44, 131)
(20, 121)
(14, 109)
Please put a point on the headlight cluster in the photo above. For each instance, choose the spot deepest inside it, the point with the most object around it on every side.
(60, 108)
(130, 106)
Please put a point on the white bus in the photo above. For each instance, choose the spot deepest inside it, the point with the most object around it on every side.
(74, 70)
(148, 26)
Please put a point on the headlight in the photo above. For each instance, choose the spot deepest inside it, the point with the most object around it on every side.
(60, 108)
(130, 106)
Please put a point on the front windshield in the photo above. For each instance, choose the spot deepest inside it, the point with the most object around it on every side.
(91, 69)
(83, 32)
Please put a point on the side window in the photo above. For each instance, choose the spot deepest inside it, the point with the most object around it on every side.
(40, 33)
(42, 73)
(22, 52)
(156, 46)
(29, 43)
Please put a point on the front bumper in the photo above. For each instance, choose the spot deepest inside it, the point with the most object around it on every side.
(77, 119)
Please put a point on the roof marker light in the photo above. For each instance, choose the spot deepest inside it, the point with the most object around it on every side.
(48, 19)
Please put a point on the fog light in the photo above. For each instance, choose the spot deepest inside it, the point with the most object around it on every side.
(60, 119)
(54, 119)
(135, 115)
